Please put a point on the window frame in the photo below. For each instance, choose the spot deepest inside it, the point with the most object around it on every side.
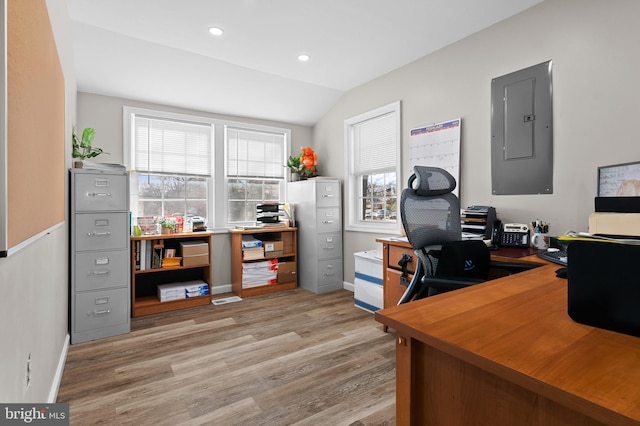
(226, 178)
(218, 212)
(353, 189)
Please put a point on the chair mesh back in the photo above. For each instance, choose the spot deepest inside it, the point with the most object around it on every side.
(430, 212)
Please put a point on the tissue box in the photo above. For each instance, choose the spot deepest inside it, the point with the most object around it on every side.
(194, 253)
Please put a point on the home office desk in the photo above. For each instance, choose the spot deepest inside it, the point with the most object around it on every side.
(505, 352)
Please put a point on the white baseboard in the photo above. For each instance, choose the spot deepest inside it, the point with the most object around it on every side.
(220, 289)
(348, 286)
(57, 379)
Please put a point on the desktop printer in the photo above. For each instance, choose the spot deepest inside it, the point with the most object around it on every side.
(199, 224)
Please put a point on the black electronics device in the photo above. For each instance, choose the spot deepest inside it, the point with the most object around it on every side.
(510, 234)
(604, 285)
(617, 204)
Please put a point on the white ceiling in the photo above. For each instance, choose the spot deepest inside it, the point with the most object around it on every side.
(161, 51)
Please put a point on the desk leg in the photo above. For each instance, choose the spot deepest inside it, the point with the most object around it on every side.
(403, 380)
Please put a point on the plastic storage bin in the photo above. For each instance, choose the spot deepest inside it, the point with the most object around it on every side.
(368, 280)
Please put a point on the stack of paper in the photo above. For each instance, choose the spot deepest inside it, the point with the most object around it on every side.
(249, 241)
(257, 274)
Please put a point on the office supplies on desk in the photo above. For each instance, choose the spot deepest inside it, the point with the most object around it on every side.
(558, 256)
(511, 234)
(604, 285)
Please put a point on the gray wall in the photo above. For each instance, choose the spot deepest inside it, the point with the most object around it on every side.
(595, 102)
(105, 114)
(34, 280)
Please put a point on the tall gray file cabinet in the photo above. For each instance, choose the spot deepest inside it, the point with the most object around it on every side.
(318, 216)
(100, 275)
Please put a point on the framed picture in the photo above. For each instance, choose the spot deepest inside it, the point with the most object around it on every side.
(619, 180)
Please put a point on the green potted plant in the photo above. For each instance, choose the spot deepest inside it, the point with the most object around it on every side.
(296, 166)
(82, 148)
(168, 225)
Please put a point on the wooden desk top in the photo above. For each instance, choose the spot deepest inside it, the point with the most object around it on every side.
(517, 327)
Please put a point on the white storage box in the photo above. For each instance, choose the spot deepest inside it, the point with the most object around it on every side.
(171, 291)
(368, 280)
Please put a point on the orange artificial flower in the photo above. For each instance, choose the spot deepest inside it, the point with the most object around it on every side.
(310, 160)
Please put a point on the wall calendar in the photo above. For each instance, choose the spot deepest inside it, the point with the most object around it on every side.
(437, 145)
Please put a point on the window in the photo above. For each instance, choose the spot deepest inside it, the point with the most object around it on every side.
(171, 159)
(372, 142)
(255, 171)
(181, 161)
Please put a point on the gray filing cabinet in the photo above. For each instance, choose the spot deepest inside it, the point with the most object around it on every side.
(318, 215)
(100, 276)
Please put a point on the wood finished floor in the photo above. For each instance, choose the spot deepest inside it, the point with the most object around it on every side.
(288, 358)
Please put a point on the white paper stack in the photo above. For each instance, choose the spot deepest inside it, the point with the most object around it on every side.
(171, 291)
(256, 274)
(249, 241)
(196, 288)
(175, 291)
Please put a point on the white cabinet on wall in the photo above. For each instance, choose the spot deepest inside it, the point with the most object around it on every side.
(100, 276)
(318, 217)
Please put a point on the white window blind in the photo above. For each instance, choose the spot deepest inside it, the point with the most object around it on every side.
(375, 144)
(255, 154)
(172, 147)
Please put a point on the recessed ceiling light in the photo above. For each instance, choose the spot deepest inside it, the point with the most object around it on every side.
(304, 57)
(216, 31)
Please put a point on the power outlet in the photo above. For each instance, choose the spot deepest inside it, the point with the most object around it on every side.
(29, 369)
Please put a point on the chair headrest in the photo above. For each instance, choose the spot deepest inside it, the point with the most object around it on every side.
(431, 181)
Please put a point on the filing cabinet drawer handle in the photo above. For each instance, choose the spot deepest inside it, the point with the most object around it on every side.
(330, 274)
(327, 195)
(98, 234)
(98, 313)
(98, 273)
(328, 248)
(99, 194)
(327, 221)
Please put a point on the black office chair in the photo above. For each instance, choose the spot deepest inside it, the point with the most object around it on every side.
(430, 215)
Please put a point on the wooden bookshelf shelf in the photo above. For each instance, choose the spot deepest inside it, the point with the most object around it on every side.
(284, 281)
(146, 279)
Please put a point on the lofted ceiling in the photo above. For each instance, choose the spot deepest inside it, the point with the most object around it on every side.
(160, 51)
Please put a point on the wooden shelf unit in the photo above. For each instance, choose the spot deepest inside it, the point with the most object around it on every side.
(144, 283)
(289, 238)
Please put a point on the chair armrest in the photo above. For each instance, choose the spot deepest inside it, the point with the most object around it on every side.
(514, 267)
(442, 284)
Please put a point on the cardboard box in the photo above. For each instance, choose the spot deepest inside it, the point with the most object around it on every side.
(194, 248)
(614, 223)
(287, 272)
(194, 253)
(271, 246)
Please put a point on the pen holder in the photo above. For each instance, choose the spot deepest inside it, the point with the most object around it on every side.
(540, 240)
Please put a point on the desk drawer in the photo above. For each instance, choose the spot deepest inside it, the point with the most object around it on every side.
(97, 309)
(329, 219)
(329, 246)
(393, 290)
(330, 271)
(328, 194)
(395, 254)
(101, 231)
(96, 192)
(102, 269)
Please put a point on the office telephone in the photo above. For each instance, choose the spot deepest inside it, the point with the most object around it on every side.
(510, 234)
